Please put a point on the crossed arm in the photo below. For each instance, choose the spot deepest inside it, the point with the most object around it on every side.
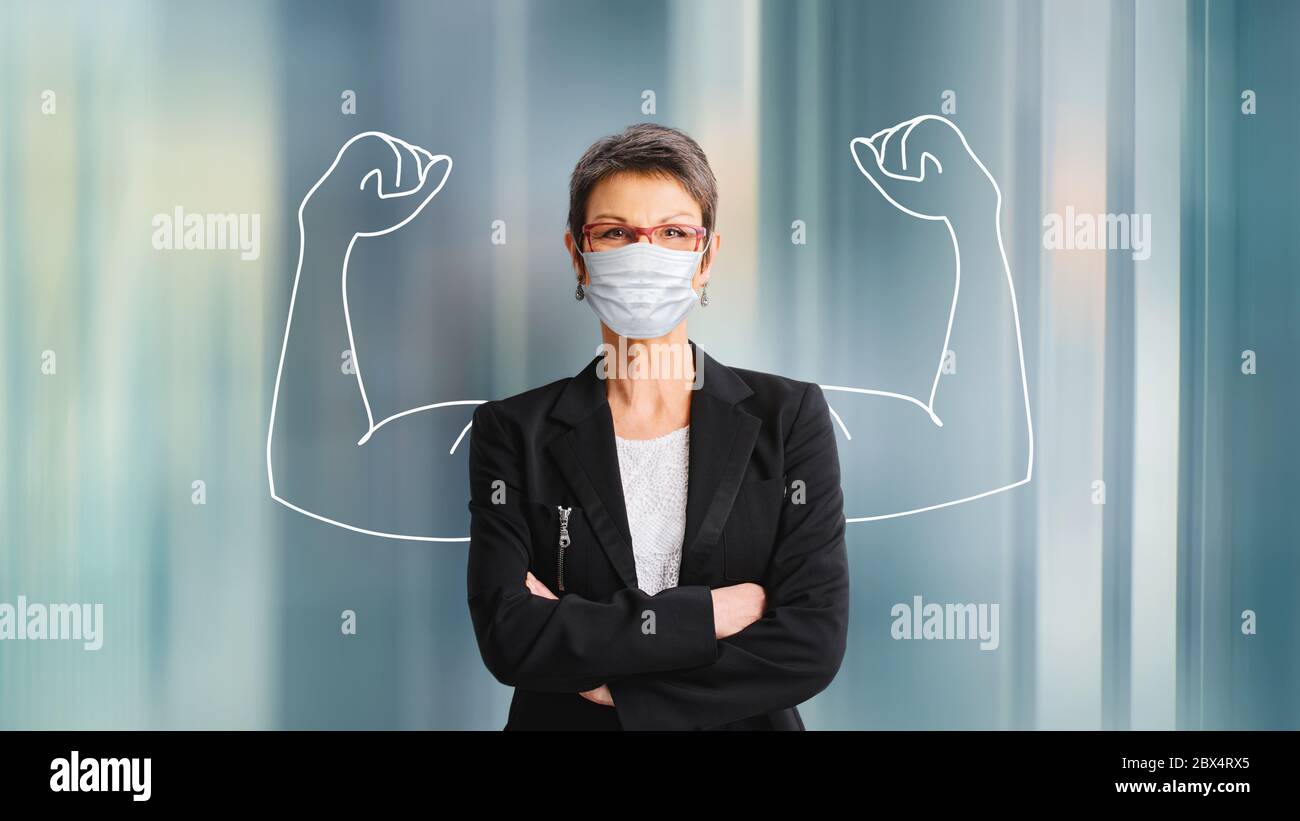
(573, 643)
(694, 672)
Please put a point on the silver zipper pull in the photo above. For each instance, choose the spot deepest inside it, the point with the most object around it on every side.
(564, 542)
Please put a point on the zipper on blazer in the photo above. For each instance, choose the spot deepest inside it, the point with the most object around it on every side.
(564, 542)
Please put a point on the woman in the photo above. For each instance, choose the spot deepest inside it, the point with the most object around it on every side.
(658, 541)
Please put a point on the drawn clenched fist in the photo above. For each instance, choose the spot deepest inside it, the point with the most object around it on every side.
(924, 167)
(381, 183)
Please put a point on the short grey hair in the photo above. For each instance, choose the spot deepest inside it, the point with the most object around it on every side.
(648, 148)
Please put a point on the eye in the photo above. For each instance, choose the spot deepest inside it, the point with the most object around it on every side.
(674, 232)
(614, 232)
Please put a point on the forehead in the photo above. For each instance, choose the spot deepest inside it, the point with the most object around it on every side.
(641, 196)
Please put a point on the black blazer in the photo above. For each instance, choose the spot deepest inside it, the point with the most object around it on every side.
(763, 505)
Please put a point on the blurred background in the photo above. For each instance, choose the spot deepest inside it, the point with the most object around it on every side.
(226, 614)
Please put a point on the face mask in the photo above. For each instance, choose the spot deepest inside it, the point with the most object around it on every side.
(641, 290)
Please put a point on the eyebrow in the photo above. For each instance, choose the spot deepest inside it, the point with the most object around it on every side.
(663, 221)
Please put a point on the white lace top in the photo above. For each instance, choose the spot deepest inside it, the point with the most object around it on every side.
(655, 474)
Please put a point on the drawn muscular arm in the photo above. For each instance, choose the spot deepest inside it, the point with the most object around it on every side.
(328, 452)
(970, 433)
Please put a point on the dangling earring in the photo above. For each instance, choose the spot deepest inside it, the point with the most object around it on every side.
(704, 296)
(578, 293)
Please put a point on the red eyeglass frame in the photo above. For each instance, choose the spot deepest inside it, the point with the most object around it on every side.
(647, 232)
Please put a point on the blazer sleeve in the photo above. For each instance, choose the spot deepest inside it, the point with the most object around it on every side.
(571, 644)
(795, 650)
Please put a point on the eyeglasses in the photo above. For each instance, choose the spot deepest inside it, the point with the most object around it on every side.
(606, 236)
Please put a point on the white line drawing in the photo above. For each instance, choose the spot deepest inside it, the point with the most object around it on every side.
(878, 144)
(424, 161)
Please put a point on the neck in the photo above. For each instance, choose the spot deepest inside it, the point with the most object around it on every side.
(649, 380)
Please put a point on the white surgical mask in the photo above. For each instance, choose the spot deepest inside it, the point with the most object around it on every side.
(642, 290)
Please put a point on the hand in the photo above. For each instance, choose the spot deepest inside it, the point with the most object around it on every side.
(736, 607)
(377, 184)
(924, 167)
(536, 587)
(600, 695)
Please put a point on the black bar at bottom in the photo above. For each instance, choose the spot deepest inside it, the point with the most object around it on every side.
(333, 769)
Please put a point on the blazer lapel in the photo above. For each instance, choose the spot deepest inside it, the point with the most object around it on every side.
(722, 439)
(587, 457)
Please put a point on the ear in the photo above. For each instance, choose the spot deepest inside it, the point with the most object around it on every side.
(706, 262)
(579, 267)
